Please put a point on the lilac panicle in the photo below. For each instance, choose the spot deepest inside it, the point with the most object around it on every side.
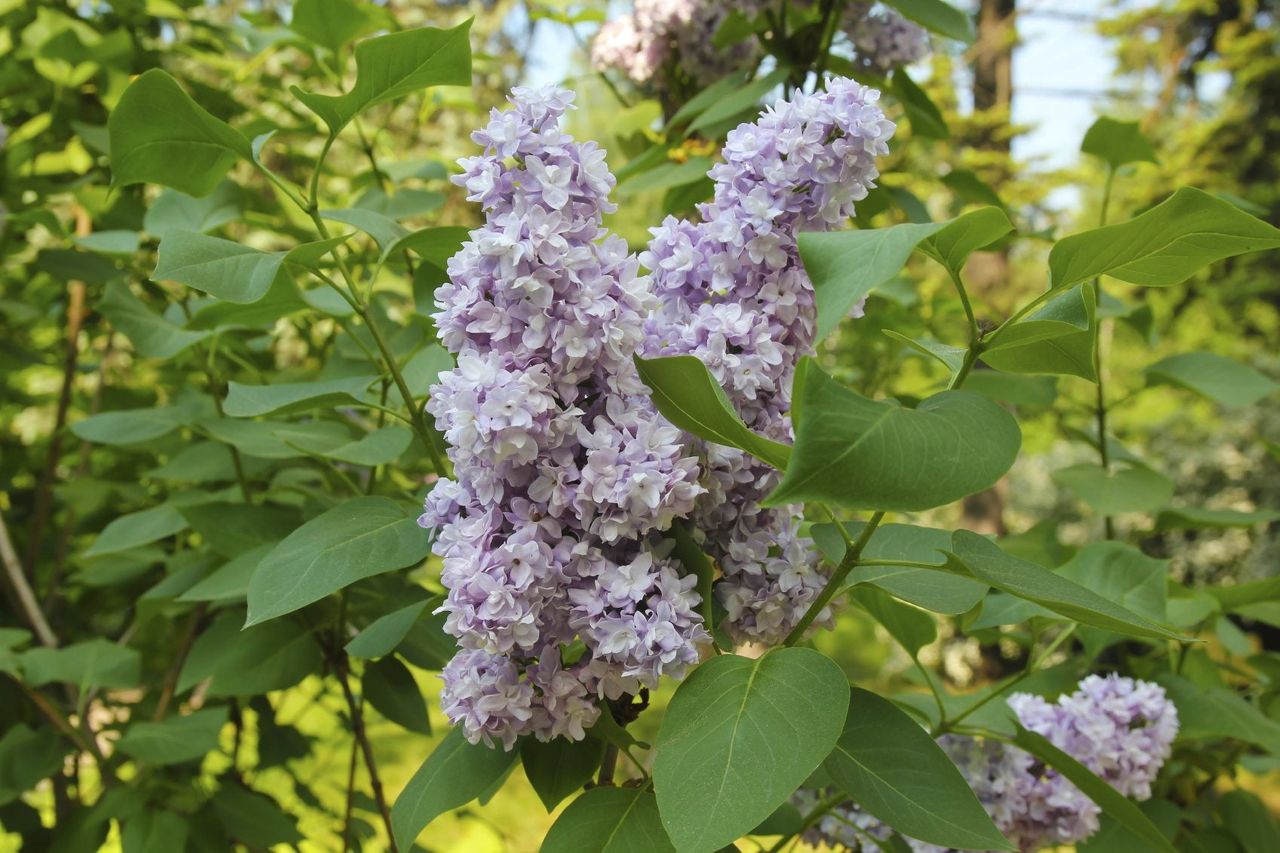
(1120, 728)
(733, 293)
(563, 472)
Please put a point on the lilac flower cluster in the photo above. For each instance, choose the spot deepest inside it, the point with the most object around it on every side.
(563, 471)
(733, 293)
(675, 34)
(1119, 728)
(662, 38)
(883, 39)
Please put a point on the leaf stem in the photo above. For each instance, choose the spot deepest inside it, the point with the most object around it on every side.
(1100, 398)
(834, 583)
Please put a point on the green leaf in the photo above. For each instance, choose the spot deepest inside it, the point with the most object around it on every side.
(1117, 142)
(93, 663)
(609, 820)
(243, 663)
(277, 439)
(436, 245)
(893, 769)
(1059, 338)
(229, 582)
(686, 393)
(287, 398)
(559, 767)
(977, 557)
(26, 757)
(713, 94)
(966, 234)
(952, 358)
(695, 562)
(1123, 574)
(221, 268)
(152, 335)
(666, 175)
(389, 687)
(1249, 820)
(1110, 800)
(785, 820)
(1228, 382)
(859, 453)
(129, 426)
(120, 243)
(426, 645)
(152, 831)
(159, 135)
(738, 100)
(739, 736)
(1165, 245)
(847, 265)
(453, 775)
(925, 117)
(175, 740)
(254, 819)
(926, 588)
(1131, 488)
(1174, 518)
(383, 445)
(912, 628)
(386, 232)
(1036, 392)
(1217, 712)
(382, 635)
(333, 23)
(177, 211)
(358, 539)
(231, 529)
(1114, 837)
(939, 17)
(138, 528)
(392, 66)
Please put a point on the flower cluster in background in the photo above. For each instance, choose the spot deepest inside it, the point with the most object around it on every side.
(663, 39)
(562, 468)
(732, 292)
(1120, 728)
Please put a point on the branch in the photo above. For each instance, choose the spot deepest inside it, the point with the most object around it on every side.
(338, 660)
(851, 554)
(26, 598)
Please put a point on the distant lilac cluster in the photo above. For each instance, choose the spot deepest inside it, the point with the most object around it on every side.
(883, 39)
(1119, 728)
(673, 34)
(732, 292)
(662, 38)
(563, 471)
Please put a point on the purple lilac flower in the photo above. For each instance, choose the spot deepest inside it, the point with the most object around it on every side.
(883, 39)
(563, 472)
(1119, 728)
(676, 35)
(733, 293)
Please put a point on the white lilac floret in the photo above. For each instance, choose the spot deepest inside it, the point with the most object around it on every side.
(564, 475)
(1120, 728)
(732, 292)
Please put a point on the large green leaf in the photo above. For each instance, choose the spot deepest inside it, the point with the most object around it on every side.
(175, 740)
(891, 767)
(1107, 798)
(738, 100)
(609, 820)
(221, 268)
(912, 628)
(152, 335)
(277, 439)
(739, 736)
(561, 766)
(93, 663)
(863, 454)
(686, 393)
(966, 234)
(333, 23)
(177, 211)
(230, 582)
(382, 635)
(1117, 142)
(389, 687)
(254, 819)
(1122, 488)
(266, 657)
(138, 528)
(158, 134)
(1058, 338)
(942, 18)
(130, 426)
(1250, 821)
(27, 756)
(1165, 245)
(1217, 712)
(978, 557)
(454, 774)
(154, 831)
(358, 539)
(1228, 382)
(927, 121)
(926, 588)
(1123, 574)
(392, 66)
(286, 398)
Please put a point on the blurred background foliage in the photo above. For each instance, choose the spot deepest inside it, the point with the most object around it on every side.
(73, 348)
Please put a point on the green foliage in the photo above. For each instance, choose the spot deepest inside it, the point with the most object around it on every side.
(609, 820)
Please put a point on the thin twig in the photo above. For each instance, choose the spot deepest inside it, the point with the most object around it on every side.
(351, 796)
(26, 597)
(834, 583)
(175, 669)
(338, 659)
